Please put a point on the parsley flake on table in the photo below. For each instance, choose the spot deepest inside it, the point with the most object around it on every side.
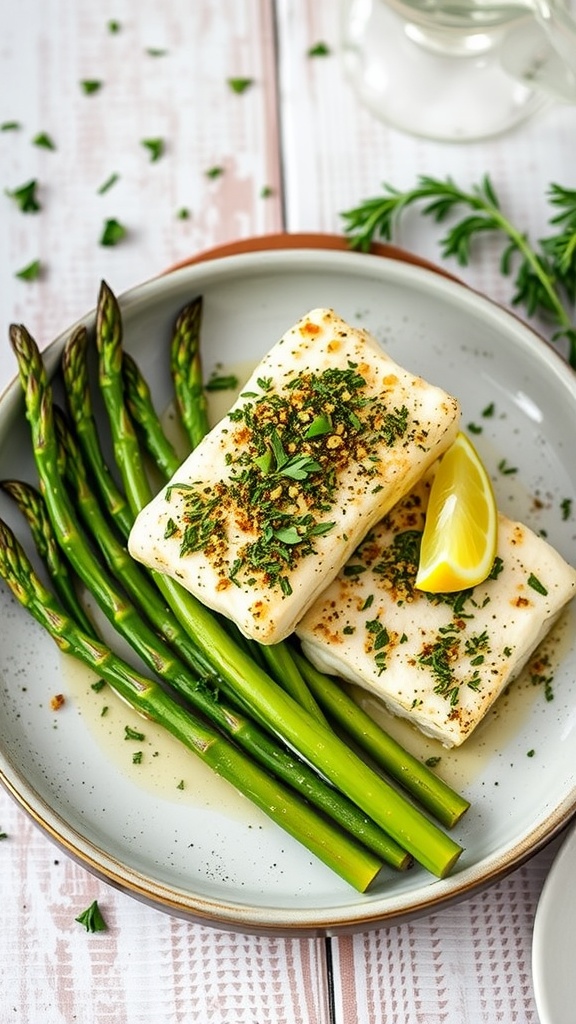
(183, 213)
(43, 140)
(31, 272)
(106, 185)
(25, 197)
(156, 51)
(319, 49)
(10, 126)
(240, 85)
(214, 172)
(113, 232)
(113, 26)
(4, 835)
(133, 734)
(92, 918)
(90, 85)
(155, 148)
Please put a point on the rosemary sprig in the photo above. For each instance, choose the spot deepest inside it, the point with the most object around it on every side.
(545, 274)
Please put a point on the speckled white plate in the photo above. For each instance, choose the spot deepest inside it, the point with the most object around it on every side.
(163, 830)
(554, 939)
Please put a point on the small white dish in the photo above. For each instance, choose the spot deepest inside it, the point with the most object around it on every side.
(202, 851)
(554, 937)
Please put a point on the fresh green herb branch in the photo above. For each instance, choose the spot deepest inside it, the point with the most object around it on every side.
(545, 274)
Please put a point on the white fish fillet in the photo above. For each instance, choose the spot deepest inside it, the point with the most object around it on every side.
(438, 660)
(327, 435)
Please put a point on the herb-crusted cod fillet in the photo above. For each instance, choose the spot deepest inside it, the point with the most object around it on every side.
(439, 660)
(326, 436)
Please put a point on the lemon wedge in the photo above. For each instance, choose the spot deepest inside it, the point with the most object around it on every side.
(461, 530)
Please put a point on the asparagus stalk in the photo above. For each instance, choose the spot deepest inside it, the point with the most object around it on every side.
(341, 853)
(75, 373)
(186, 368)
(32, 506)
(313, 741)
(141, 408)
(126, 619)
(413, 775)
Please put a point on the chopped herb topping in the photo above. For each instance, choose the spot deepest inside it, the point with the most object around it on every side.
(107, 185)
(113, 26)
(113, 232)
(432, 762)
(536, 585)
(474, 428)
(566, 508)
(214, 172)
(3, 835)
(266, 191)
(31, 272)
(505, 469)
(291, 445)
(240, 85)
(155, 147)
(183, 213)
(133, 734)
(90, 86)
(156, 51)
(530, 753)
(92, 918)
(319, 50)
(10, 126)
(25, 197)
(98, 685)
(489, 411)
(228, 382)
(137, 757)
(43, 140)
(180, 784)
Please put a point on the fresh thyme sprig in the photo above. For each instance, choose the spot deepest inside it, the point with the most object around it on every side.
(545, 276)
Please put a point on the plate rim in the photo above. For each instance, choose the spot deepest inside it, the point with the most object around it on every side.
(208, 911)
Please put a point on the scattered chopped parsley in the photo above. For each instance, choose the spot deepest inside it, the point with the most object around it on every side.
(183, 213)
(530, 753)
(214, 172)
(226, 382)
(536, 585)
(319, 49)
(98, 685)
(240, 85)
(31, 272)
(566, 508)
(133, 734)
(155, 148)
(43, 140)
(113, 26)
(489, 410)
(10, 126)
(431, 762)
(266, 191)
(92, 918)
(113, 232)
(90, 86)
(474, 428)
(3, 835)
(156, 51)
(137, 757)
(104, 711)
(505, 469)
(25, 197)
(180, 784)
(106, 185)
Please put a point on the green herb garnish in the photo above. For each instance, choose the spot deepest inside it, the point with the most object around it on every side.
(133, 734)
(155, 147)
(31, 272)
(137, 757)
(113, 26)
(240, 85)
(319, 50)
(90, 85)
(43, 140)
(545, 274)
(214, 172)
(113, 232)
(92, 918)
(25, 197)
(227, 382)
(107, 185)
(10, 126)
(536, 585)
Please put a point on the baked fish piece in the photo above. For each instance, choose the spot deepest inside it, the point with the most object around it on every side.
(439, 660)
(327, 435)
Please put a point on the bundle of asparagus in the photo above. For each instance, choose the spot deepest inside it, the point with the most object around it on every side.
(263, 718)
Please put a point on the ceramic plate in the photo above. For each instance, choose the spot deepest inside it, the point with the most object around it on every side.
(553, 942)
(165, 830)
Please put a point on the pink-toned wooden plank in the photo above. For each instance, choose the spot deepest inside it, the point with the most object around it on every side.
(470, 962)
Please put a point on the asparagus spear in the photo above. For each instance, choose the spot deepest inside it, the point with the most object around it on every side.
(197, 690)
(313, 741)
(31, 504)
(185, 364)
(141, 408)
(343, 854)
(75, 373)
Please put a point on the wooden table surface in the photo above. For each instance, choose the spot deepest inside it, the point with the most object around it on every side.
(294, 150)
